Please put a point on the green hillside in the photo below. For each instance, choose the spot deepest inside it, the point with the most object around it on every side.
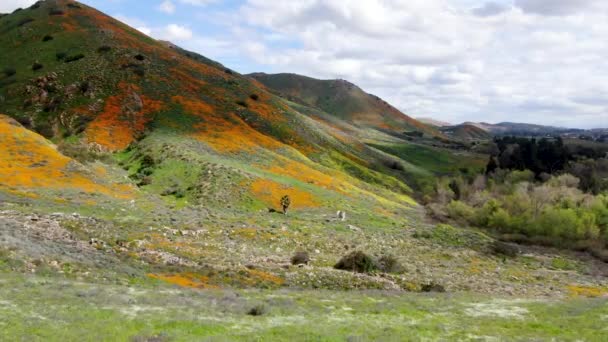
(342, 99)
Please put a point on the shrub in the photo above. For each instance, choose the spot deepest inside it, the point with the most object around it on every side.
(257, 310)
(61, 55)
(104, 48)
(56, 11)
(139, 71)
(517, 176)
(74, 58)
(37, 66)
(567, 224)
(389, 264)
(228, 71)
(254, 97)
(461, 211)
(47, 38)
(24, 21)
(300, 258)
(432, 287)
(8, 72)
(356, 262)
(72, 5)
(394, 165)
(505, 249)
(242, 103)
(140, 57)
(500, 220)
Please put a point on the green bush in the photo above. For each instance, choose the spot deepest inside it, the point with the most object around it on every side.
(389, 264)
(56, 11)
(567, 224)
(517, 176)
(356, 262)
(47, 38)
(74, 58)
(37, 66)
(300, 258)
(8, 72)
(461, 211)
(61, 56)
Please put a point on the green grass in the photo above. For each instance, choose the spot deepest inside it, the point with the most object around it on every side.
(435, 160)
(38, 308)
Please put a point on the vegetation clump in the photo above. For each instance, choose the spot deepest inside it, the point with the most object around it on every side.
(104, 48)
(506, 249)
(432, 287)
(74, 58)
(389, 264)
(24, 21)
(61, 55)
(254, 97)
(300, 258)
(9, 71)
(56, 11)
(258, 310)
(37, 66)
(242, 103)
(529, 205)
(47, 38)
(357, 262)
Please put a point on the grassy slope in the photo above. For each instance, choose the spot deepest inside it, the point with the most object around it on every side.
(467, 132)
(344, 100)
(128, 85)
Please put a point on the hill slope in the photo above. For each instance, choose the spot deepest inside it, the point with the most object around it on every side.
(87, 81)
(466, 132)
(342, 99)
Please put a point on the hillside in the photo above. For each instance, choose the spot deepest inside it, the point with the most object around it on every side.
(90, 83)
(142, 196)
(433, 122)
(466, 132)
(342, 99)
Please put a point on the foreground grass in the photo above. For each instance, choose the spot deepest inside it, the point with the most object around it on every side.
(49, 309)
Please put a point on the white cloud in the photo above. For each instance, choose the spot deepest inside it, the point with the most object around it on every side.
(199, 2)
(555, 7)
(167, 7)
(532, 60)
(7, 6)
(173, 32)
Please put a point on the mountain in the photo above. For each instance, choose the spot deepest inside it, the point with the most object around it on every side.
(91, 83)
(505, 128)
(343, 100)
(466, 132)
(433, 122)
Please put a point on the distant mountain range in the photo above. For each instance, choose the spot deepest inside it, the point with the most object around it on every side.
(483, 130)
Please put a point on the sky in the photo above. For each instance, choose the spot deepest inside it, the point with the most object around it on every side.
(536, 61)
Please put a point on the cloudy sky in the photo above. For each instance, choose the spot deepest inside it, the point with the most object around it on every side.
(539, 61)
